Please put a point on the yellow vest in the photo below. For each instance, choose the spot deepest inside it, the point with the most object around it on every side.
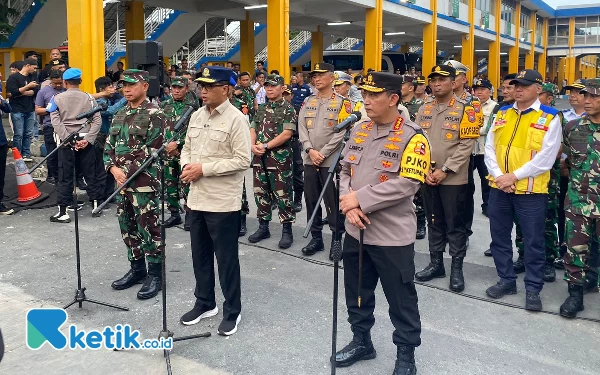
(517, 139)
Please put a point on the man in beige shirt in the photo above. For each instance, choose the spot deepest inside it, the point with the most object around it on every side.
(214, 157)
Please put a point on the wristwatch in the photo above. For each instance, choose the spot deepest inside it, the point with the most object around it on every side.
(308, 150)
(446, 169)
(266, 146)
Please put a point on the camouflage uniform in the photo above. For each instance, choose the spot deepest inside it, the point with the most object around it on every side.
(173, 110)
(272, 119)
(413, 106)
(134, 135)
(245, 103)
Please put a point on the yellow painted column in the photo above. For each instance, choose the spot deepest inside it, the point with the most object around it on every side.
(530, 56)
(562, 62)
(429, 54)
(578, 68)
(405, 48)
(513, 52)
(247, 45)
(494, 50)
(570, 59)
(134, 20)
(468, 43)
(278, 36)
(373, 37)
(316, 46)
(85, 31)
(542, 57)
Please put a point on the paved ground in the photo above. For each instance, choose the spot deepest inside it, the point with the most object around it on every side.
(286, 318)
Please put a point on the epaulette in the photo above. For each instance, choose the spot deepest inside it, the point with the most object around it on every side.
(549, 110)
(429, 99)
(463, 101)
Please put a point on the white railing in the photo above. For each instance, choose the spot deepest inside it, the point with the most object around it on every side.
(385, 46)
(116, 43)
(21, 7)
(414, 49)
(155, 19)
(296, 43)
(346, 43)
(215, 47)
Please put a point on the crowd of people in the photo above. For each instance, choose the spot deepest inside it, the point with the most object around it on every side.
(409, 163)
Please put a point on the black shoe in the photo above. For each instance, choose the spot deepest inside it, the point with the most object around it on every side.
(405, 361)
(62, 216)
(590, 285)
(135, 275)
(297, 202)
(243, 229)
(501, 289)
(195, 315)
(261, 233)
(5, 211)
(484, 211)
(81, 184)
(51, 180)
(359, 349)
(559, 264)
(175, 219)
(229, 327)
(533, 301)
(315, 244)
(457, 280)
(421, 229)
(488, 253)
(549, 273)
(519, 264)
(324, 221)
(287, 237)
(186, 225)
(573, 303)
(435, 269)
(153, 283)
(95, 205)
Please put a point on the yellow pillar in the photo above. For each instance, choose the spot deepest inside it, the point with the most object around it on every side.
(493, 72)
(405, 48)
(562, 62)
(513, 52)
(468, 43)
(373, 37)
(134, 20)
(429, 54)
(85, 31)
(247, 45)
(578, 66)
(570, 59)
(530, 56)
(316, 46)
(278, 36)
(543, 56)
(553, 71)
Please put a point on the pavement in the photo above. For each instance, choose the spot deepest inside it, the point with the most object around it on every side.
(286, 309)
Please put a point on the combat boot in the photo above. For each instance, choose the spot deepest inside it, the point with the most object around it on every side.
(421, 228)
(590, 284)
(262, 232)
(153, 283)
(405, 361)
(136, 274)
(457, 280)
(243, 229)
(573, 303)
(359, 349)
(519, 264)
(287, 238)
(315, 244)
(175, 219)
(297, 202)
(435, 269)
(548, 272)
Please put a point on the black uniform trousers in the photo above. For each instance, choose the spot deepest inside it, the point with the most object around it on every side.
(395, 266)
(50, 143)
(297, 167)
(105, 180)
(446, 205)
(314, 179)
(470, 202)
(3, 156)
(215, 234)
(562, 194)
(87, 161)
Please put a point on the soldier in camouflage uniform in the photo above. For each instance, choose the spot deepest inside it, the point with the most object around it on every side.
(270, 133)
(136, 132)
(582, 146)
(174, 108)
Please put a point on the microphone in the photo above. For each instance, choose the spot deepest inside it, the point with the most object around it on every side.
(183, 119)
(354, 116)
(91, 112)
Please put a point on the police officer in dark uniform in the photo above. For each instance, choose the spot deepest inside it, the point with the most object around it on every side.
(385, 162)
(300, 91)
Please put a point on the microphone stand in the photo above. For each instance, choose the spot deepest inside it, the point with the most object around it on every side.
(164, 333)
(63, 143)
(336, 247)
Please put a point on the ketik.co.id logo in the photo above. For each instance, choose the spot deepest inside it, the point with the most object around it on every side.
(43, 325)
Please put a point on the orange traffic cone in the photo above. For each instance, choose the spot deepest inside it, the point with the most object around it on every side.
(28, 192)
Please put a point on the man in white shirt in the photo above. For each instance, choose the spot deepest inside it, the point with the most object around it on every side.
(259, 89)
(519, 159)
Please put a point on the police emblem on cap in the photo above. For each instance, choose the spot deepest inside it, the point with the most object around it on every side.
(449, 63)
(438, 69)
(205, 72)
(521, 74)
(317, 66)
(336, 76)
(369, 80)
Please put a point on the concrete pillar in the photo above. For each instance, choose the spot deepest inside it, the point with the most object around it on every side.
(373, 37)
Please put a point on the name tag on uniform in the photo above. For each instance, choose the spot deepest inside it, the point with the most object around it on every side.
(539, 126)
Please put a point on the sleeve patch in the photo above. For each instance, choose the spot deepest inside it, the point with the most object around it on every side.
(469, 126)
(416, 158)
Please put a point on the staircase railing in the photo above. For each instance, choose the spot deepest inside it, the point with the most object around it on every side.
(296, 44)
(215, 47)
(116, 43)
(21, 7)
(346, 43)
(155, 19)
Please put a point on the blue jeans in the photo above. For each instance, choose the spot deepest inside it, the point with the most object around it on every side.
(23, 123)
(530, 210)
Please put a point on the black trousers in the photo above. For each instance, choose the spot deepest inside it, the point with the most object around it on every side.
(469, 200)
(215, 234)
(297, 167)
(87, 161)
(3, 155)
(106, 181)
(562, 194)
(445, 210)
(479, 165)
(314, 178)
(50, 143)
(395, 267)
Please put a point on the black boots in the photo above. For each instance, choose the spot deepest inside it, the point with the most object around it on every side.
(315, 244)
(153, 283)
(136, 273)
(297, 202)
(434, 269)
(360, 348)
(175, 219)
(574, 302)
(262, 232)
(405, 361)
(457, 281)
(421, 228)
(548, 272)
(287, 238)
(590, 284)
(243, 229)
(519, 264)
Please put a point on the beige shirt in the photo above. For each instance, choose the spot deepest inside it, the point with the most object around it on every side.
(220, 141)
(70, 104)
(487, 108)
(385, 165)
